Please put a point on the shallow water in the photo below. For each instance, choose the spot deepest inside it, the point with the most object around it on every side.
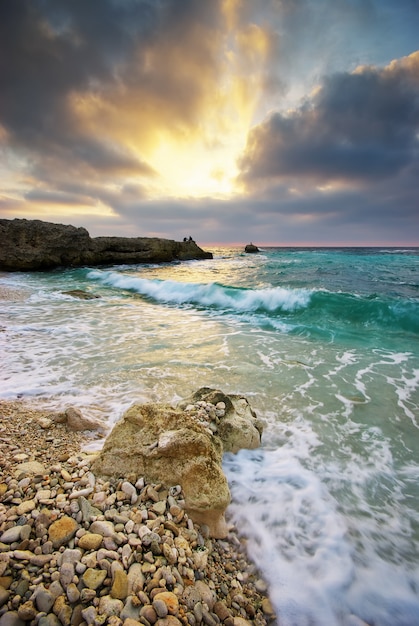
(325, 345)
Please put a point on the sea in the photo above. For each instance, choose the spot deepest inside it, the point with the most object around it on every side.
(323, 342)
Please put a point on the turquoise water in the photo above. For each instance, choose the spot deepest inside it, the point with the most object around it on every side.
(325, 345)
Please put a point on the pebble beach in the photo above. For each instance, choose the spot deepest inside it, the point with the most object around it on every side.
(75, 549)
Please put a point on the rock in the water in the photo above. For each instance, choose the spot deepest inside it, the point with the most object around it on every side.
(81, 294)
(251, 248)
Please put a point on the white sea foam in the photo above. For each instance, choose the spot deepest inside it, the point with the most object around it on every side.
(209, 294)
(286, 513)
(303, 541)
(329, 503)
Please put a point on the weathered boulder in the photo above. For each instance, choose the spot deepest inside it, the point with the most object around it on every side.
(27, 245)
(166, 445)
(239, 427)
(175, 446)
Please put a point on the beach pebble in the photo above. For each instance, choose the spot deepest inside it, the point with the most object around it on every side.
(104, 528)
(110, 606)
(11, 618)
(49, 620)
(4, 596)
(12, 535)
(61, 531)
(90, 541)
(119, 588)
(66, 574)
(93, 578)
(27, 611)
(148, 612)
(169, 599)
(44, 599)
(75, 548)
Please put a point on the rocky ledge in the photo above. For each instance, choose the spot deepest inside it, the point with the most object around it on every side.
(28, 245)
(78, 548)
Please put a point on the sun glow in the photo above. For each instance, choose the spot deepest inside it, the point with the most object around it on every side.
(199, 165)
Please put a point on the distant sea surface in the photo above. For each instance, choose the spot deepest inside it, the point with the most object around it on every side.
(324, 343)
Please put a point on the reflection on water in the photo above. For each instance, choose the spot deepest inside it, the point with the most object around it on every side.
(324, 346)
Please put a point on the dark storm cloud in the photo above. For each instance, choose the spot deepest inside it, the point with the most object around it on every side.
(357, 127)
(59, 58)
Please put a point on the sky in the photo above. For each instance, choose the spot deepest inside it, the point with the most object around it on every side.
(281, 122)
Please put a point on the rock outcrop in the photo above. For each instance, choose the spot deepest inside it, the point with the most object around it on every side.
(251, 248)
(28, 245)
(183, 446)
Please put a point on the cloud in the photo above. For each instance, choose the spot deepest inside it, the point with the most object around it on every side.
(357, 127)
(89, 85)
(133, 113)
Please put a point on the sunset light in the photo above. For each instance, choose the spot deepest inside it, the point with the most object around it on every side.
(216, 117)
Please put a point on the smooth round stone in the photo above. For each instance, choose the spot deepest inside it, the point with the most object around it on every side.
(222, 611)
(135, 578)
(110, 606)
(62, 530)
(90, 541)
(26, 507)
(66, 574)
(11, 535)
(4, 596)
(49, 620)
(62, 610)
(169, 599)
(208, 619)
(170, 620)
(267, 607)
(87, 595)
(89, 614)
(160, 607)
(44, 600)
(71, 556)
(20, 457)
(159, 507)
(130, 610)
(240, 621)
(93, 578)
(149, 613)
(73, 594)
(131, 622)
(198, 612)
(27, 611)
(11, 618)
(206, 593)
(104, 528)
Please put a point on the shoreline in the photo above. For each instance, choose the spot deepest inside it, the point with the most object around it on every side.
(224, 587)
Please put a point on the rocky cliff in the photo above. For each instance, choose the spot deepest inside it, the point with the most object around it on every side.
(27, 245)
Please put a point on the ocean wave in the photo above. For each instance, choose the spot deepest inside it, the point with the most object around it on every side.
(302, 307)
(205, 295)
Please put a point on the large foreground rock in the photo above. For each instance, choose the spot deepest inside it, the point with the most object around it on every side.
(27, 245)
(183, 446)
(239, 427)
